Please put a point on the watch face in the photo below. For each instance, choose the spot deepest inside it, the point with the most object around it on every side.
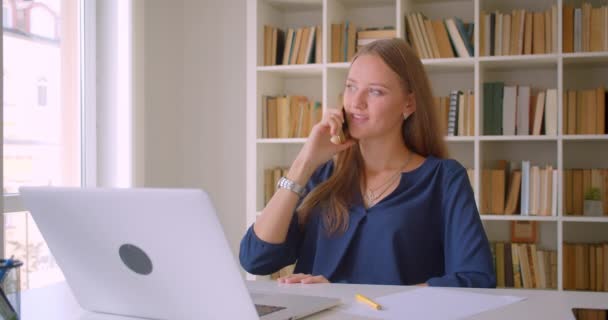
(285, 183)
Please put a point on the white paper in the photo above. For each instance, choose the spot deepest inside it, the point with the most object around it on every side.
(431, 303)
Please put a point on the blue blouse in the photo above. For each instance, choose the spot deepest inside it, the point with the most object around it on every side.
(427, 230)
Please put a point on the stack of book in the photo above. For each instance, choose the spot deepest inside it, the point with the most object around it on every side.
(584, 111)
(517, 110)
(531, 190)
(517, 33)
(289, 116)
(296, 46)
(585, 29)
(457, 113)
(585, 266)
(367, 36)
(522, 265)
(346, 39)
(271, 177)
(443, 38)
(577, 182)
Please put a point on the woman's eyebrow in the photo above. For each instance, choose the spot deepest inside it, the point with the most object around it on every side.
(378, 84)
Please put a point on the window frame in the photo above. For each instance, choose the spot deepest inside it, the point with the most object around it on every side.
(88, 110)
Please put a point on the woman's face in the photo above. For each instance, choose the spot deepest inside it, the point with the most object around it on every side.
(374, 99)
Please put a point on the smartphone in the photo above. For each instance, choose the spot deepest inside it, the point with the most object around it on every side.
(345, 124)
(343, 133)
(589, 313)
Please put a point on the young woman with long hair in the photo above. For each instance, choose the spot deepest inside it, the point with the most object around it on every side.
(382, 206)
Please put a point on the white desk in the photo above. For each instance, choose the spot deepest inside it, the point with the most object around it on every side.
(56, 302)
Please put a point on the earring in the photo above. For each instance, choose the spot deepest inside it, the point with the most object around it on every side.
(405, 116)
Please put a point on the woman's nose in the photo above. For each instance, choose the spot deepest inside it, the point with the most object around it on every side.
(358, 99)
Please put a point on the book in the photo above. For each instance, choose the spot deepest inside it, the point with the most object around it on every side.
(463, 34)
(525, 188)
(568, 28)
(497, 108)
(453, 112)
(538, 41)
(551, 112)
(523, 111)
(513, 194)
(509, 110)
(538, 113)
(509, 277)
(526, 35)
(457, 40)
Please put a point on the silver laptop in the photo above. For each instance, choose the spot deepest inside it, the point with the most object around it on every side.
(151, 253)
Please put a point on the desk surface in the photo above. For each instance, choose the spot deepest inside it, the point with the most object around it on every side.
(56, 302)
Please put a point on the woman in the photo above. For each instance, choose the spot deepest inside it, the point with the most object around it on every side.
(384, 206)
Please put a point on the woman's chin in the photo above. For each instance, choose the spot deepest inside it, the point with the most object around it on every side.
(358, 136)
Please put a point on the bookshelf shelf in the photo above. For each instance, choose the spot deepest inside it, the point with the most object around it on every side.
(490, 217)
(460, 139)
(585, 219)
(586, 137)
(296, 5)
(293, 70)
(449, 64)
(585, 58)
(518, 138)
(366, 3)
(520, 61)
(324, 81)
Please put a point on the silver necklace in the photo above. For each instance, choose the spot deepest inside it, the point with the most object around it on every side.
(371, 196)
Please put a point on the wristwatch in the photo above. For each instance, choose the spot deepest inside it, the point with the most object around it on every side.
(290, 185)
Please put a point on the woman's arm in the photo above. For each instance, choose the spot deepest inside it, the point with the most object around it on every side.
(273, 240)
(261, 256)
(271, 226)
(468, 259)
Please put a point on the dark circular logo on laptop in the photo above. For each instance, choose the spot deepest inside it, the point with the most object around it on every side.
(135, 259)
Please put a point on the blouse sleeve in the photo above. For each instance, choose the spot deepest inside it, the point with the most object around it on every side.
(468, 259)
(261, 258)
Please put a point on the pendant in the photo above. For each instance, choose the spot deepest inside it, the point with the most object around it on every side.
(370, 197)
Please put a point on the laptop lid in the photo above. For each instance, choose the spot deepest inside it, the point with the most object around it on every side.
(153, 253)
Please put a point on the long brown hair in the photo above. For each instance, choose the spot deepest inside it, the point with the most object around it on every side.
(421, 134)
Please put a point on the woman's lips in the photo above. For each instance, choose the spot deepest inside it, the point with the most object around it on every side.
(358, 118)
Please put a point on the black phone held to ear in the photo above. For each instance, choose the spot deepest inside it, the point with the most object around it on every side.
(341, 136)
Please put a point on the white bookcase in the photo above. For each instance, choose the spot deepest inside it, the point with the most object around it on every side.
(325, 80)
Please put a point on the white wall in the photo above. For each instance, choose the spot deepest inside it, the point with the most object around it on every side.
(195, 100)
(164, 86)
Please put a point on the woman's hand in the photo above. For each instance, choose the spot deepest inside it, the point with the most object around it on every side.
(302, 278)
(318, 148)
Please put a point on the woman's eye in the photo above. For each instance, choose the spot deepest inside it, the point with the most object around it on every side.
(375, 92)
(350, 87)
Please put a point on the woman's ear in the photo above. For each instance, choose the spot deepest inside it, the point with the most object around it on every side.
(410, 105)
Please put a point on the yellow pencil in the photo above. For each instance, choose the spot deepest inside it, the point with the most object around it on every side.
(368, 301)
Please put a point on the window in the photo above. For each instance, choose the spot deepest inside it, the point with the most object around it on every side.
(43, 132)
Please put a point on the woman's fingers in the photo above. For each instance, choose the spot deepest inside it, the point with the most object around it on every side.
(315, 279)
(294, 278)
(303, 278)
(336, 126)
(335, 120)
